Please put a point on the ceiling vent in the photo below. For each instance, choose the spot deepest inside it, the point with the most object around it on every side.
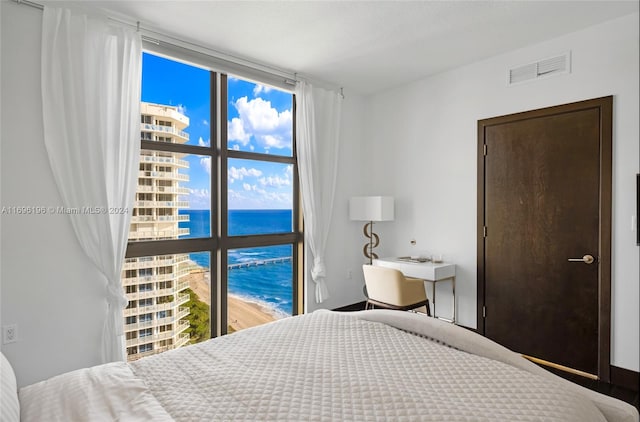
(541, 69)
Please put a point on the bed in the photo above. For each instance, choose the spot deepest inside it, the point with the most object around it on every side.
(369, 365)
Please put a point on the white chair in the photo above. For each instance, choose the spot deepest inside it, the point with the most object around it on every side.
(389, 288)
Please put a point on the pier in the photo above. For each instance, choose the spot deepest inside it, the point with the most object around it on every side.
(259, 262)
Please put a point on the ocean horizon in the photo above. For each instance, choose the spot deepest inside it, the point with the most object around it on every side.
(269, 285)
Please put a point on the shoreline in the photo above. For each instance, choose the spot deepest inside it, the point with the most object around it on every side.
(242, 313)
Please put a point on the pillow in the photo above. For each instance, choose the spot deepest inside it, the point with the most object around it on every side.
(9, 404)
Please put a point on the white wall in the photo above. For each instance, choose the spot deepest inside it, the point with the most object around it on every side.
(49, 289)
(424, 140)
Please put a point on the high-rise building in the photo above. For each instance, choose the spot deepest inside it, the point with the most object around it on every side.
(155, 318)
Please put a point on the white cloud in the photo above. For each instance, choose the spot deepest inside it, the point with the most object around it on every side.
(203, 143)
(205, 122)
(199, 199)
(236, 147)
(261, 88)
(235, 132)
(259, 199)
(275, 181)
(272, 141)
(200, 193)
(206, 164)
(258, 119)
(182, 109)
(246, 186)
(260, 115)
(235, 173)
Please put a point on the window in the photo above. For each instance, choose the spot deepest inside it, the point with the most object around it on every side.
(145, 302)
(146, 347)
(147, 287)
(262, 240)
(189, 225)
(146, 317)
(145, 272)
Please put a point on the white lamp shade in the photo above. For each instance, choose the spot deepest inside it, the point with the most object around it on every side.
(371, 208)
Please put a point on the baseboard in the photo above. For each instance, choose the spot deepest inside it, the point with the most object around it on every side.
(625, 378)
(353, 307)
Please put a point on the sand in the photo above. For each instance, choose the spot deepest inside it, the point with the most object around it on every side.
(242, 313)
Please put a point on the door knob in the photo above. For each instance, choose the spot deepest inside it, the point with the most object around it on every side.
(587, 259)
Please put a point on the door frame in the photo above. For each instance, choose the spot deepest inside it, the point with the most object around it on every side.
(605, 108)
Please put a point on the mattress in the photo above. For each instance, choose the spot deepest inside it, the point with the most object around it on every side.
(372, 365)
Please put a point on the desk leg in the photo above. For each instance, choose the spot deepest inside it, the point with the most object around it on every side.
(453, 294)
(433, 295)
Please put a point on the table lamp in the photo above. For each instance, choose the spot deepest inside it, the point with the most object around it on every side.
(370, 209)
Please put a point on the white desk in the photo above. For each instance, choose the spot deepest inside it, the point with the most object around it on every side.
(427, 271)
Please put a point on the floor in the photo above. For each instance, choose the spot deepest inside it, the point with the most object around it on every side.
(629, 396)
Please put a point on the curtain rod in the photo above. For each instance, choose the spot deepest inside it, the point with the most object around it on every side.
(290, 78)
(30, 3)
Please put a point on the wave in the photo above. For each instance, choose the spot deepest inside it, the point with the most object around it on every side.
(267, 306)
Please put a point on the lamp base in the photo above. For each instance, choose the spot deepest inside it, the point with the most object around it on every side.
(374, 241)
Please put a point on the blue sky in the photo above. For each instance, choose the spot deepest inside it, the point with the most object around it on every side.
(259, 120)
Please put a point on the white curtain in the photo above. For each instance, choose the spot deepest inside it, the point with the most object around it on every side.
(317, 135)
(91, 75)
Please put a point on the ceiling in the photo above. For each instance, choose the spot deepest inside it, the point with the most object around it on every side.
(366, 46)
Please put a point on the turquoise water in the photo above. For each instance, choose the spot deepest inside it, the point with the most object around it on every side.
(270, 284)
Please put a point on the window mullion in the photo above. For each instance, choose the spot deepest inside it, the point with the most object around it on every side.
(222, 205)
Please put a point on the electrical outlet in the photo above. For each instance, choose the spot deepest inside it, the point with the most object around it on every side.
(9, 333)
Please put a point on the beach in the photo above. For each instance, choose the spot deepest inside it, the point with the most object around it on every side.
(242, 313)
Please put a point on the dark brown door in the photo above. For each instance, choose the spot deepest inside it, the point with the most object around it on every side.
(545, 186)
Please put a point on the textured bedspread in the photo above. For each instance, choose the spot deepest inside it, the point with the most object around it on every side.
(332, 366)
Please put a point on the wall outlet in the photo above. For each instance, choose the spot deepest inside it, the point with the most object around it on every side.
(9, 333)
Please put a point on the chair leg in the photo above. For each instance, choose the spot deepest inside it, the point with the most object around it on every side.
(428, 309)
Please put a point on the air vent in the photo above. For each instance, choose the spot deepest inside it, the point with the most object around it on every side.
(547, 67)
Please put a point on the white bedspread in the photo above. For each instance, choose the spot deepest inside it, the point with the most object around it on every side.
(108, 392)
(325, 366)
(331, 366)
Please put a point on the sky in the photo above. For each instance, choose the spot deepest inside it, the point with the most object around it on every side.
(259, 120)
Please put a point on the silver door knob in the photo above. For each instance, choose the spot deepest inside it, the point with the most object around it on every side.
(587, 259)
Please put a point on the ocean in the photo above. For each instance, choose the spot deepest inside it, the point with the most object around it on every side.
(269, 285)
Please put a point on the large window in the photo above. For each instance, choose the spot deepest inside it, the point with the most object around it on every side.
(215, 236)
